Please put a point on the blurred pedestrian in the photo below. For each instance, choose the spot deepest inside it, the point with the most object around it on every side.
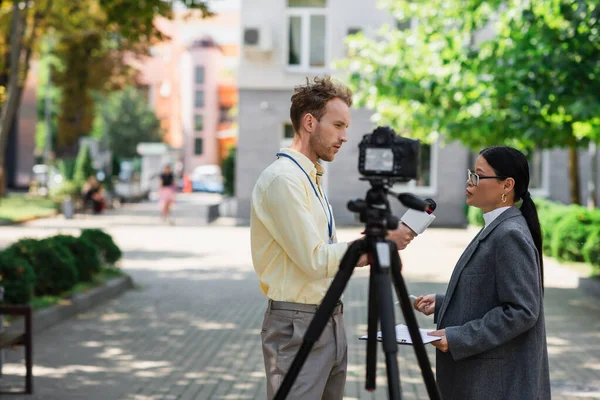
(93, 195)
(167, 194)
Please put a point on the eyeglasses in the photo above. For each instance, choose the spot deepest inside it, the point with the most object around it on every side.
(474, 178)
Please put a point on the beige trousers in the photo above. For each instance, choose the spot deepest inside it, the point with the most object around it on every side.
(323, 375)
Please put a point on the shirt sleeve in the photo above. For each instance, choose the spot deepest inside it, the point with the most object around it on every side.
(287, 216)
(520, 295)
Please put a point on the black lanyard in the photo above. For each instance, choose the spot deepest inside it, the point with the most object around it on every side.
(330, 223)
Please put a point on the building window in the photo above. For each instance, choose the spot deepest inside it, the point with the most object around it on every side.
(403, 24)
(427, 181)
(353, 31)
(287, 135)
(425, 167)
(307, 3)
(199, 75)
(307, 33)
(225, 115)
(539, 172)
(199, 101)
(349, 32)
(198, 146)
(199, 122)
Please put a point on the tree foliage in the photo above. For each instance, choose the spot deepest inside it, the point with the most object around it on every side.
(84, 167)
(91, 37)
(129, 120)
(518, 73)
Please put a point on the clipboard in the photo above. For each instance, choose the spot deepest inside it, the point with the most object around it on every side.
(403, 336)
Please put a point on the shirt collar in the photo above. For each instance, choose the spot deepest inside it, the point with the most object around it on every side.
(490, 216)
(310, 167)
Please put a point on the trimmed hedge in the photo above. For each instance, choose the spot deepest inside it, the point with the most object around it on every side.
(17, 278)
(52, 262)
(87, 256)
(549, 217)
(475, 216)
(569, 232)
(591, 249)
(53, 265)
(109, 251)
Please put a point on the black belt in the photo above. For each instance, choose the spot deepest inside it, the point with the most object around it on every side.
(309, 308)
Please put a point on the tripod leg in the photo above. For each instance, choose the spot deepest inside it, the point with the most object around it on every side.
(373, 318)
(325, 310)
(413, 326)
(381, 264)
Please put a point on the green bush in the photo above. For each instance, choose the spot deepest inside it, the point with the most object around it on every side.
(52, 262)
(550, 214)
(475, 216)
(83, 165)
(66, 166)
(17, 278)
(109, 251)
(591, 249)
(65, 190)
(571, 233)
(85, 254)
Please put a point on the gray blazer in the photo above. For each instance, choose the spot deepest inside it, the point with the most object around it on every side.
(493, 313)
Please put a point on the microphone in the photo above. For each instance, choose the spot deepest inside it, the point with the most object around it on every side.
(416, 203)
(432, 206)
(418, 221)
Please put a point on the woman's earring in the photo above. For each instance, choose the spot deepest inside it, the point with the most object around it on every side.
(504, 197)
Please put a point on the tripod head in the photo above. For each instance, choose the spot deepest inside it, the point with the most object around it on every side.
(375, 211)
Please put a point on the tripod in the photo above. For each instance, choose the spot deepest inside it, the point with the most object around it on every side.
(384, 260)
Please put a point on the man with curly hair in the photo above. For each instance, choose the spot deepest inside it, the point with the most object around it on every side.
(295, 251)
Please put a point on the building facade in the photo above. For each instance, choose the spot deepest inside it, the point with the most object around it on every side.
(283, 43)
(191, 80)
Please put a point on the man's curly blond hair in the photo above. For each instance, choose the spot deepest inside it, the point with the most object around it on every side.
(313, 97)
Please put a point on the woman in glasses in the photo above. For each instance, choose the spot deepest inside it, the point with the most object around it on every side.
(491, 318)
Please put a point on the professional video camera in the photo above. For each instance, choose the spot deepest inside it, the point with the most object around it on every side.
(385, 155)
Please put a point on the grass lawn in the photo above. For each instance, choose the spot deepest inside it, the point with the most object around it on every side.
(22, 207)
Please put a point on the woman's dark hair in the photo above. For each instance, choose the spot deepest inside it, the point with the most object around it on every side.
(510, 162)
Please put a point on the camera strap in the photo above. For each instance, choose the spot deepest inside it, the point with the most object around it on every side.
(330, 222)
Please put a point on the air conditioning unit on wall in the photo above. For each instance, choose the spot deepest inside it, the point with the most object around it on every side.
(257, 38)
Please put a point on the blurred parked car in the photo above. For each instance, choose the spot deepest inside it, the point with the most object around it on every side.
(207, 178)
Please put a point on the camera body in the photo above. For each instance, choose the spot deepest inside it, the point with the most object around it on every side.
(383, 155)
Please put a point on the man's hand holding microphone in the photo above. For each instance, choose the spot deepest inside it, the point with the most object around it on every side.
(412, 224)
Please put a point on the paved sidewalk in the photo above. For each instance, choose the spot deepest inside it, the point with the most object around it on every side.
(191, 328)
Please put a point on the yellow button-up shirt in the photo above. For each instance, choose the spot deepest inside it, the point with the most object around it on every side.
(291, 250)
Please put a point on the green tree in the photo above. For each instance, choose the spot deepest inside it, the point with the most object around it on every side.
(531, 85)
(83, 165)
(545, 63)
(82, 21)
(128, 120)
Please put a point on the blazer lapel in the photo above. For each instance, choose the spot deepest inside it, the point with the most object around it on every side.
(462, 261)
(468, 253)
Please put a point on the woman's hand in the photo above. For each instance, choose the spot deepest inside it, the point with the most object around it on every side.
(425, 304)
(441, 345)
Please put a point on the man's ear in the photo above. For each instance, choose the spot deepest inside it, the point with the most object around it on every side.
(309, 122)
